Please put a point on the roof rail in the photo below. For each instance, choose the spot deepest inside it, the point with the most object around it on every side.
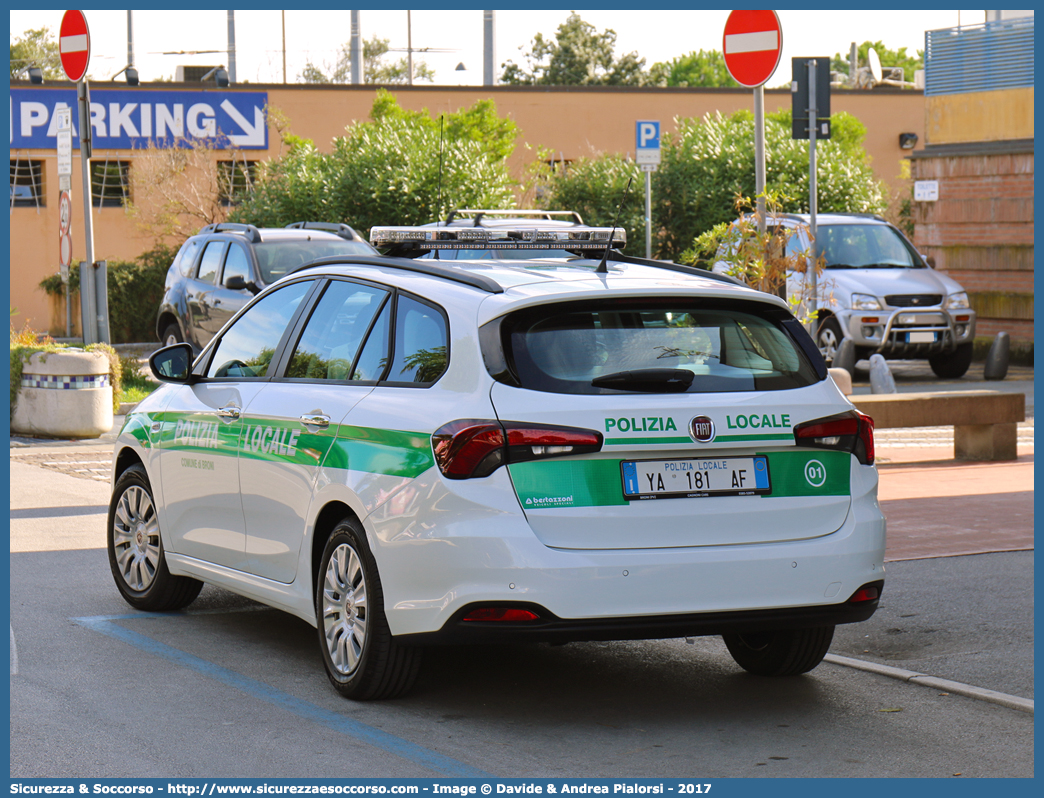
(695, 271)
(535, 214)
(235, 227)
(427, 267)
(342, 230)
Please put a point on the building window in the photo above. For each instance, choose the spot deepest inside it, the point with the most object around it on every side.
(26, 183)
(110, 181)
(235, 180)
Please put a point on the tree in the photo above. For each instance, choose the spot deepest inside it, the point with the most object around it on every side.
(578, 56)
(36, 48)
(889, 58)
(375, 70)
(178, 189)
(705, 69)
(403, 167)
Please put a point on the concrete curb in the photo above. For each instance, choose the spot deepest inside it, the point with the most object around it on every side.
(958, 688)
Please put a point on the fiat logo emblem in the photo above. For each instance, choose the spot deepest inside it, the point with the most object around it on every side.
(701, 429)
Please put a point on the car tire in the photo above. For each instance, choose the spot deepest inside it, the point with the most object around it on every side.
(952, 365)
(786, 652)
(136, 555)
(172, 335)
(829, 338)
(362, 659)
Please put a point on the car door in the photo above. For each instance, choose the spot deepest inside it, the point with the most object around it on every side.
(223, 303)
(201, 430)
(292, 425)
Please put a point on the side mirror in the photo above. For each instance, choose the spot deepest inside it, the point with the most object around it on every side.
(239, 283)
(930, 260)
(173, 364)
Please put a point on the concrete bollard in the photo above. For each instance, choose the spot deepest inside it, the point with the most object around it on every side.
(881, 379)
(997, 359)
(842, 379)
(64, 394)
(844, 358)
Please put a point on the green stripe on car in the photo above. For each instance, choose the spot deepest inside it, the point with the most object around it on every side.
(381, 451)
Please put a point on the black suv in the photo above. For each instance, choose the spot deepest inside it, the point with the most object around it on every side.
(218, 270)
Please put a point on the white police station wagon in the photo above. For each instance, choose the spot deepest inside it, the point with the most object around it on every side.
(407, 452)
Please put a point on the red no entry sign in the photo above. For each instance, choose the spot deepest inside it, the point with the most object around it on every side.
(753, 44)
(74, 45)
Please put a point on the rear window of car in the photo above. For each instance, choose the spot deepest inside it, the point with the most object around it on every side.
(278, 258)
(726, 345)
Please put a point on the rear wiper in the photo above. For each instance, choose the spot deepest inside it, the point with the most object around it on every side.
(646, 380)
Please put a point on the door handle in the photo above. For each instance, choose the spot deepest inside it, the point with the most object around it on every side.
(230, 413)
(315, 420)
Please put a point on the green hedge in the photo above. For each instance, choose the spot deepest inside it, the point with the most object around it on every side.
(705, 166)
(135, 292)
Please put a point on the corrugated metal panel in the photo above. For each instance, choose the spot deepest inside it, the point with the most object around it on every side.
(995, 55)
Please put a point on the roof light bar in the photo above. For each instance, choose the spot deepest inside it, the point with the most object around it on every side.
(499, 238)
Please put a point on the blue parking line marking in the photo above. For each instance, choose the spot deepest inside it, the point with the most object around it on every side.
(443, 765)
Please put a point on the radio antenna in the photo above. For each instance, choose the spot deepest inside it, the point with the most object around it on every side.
(602, 267)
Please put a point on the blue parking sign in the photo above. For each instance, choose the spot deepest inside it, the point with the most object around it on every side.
(647, 135)
(647, 141)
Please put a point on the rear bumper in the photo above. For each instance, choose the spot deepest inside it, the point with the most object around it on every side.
(432, 574)
(551, 629)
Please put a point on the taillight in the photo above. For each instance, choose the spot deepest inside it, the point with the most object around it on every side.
(477, 447)
(846, 432)
(468, 448)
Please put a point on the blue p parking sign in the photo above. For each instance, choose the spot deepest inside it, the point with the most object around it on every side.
(647, 141)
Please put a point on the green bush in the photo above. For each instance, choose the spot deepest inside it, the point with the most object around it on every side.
(135, 290)
(596, 188)
(402, 168)
(706, 165)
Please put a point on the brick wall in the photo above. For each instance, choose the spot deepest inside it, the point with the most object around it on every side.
(980, 230)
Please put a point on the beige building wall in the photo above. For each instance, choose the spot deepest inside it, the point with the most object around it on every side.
(1001, 115)
(572, 122)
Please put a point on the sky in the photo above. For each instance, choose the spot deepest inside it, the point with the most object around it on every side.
(315, 36)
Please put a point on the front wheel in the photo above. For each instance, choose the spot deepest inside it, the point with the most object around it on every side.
(829, 338)
(172, 335)
(136, 555)
(785, 652)
(361, 657)
(952, 365)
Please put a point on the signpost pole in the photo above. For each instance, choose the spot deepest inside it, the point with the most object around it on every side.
(648, 214)
(759, 156)
(89, 310)
(813, 113)
(63, 147)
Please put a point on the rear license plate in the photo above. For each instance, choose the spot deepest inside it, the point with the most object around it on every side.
(920, 338)
(695, 477)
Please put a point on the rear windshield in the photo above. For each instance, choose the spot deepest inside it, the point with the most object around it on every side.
(277, 258)
(725, 345)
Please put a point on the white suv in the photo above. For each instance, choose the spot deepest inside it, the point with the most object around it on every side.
(878, 290)
(405, 452)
